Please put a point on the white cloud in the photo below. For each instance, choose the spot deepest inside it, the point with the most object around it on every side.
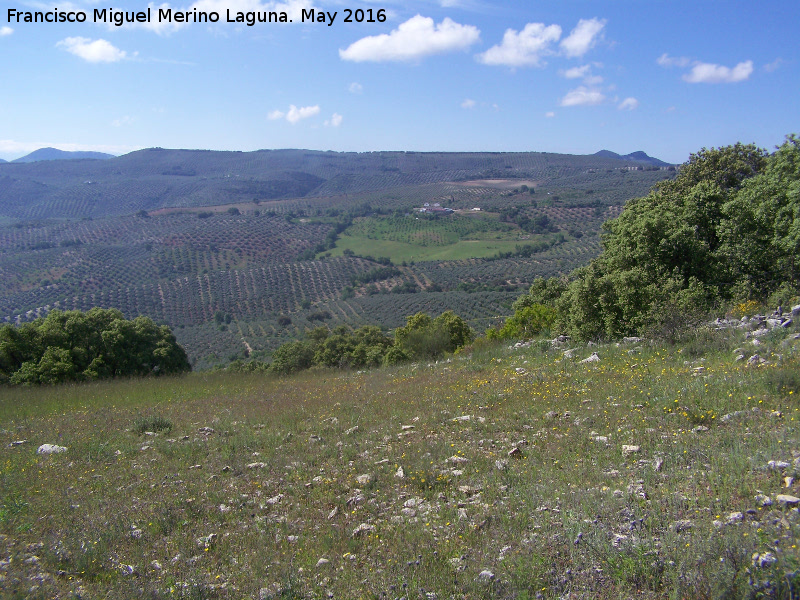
(583, 96)
(774, 65)
(524, 48)
(355, 88)
(416, 38)
(628, 104)
(576, 72)
(91, 51)
(665, 60)
(294, 114)
(550, 114)
(583, 37)
(335, 120)
(4, 31)
(126, 120)
(710, 73)
(468, 103)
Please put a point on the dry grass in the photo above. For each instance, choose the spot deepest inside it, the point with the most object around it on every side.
(248, 510)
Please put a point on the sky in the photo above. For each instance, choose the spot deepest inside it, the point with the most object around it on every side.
(666, 77)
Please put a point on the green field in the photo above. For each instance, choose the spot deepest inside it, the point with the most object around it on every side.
(417, 238)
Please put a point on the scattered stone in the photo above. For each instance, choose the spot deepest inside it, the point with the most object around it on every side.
(333, 513)
(700, 429)
(322, 562)
(627, 450)
(50, 449)
(206, 430)
(136, 534)
(256, 465)
(274, 500)
(351, 431)
(292, 539)
(400, 473)
(363, 530)
(192, 467)
(457, 460)
(658, 463)
(762, 561)
(788, 482)
(592, 359)
(763, 500)
(550, 415)
(787, 500)
(155, 565)
(681, 526)
(734, 517)
(462, 418)
(127, 570)
(408, 512)
(631, 340)
(407, 427)
(515, 452)
(778, 465)
(485, 575)
(501, 465)
(206, 541)
(364, 479)
(17, 443)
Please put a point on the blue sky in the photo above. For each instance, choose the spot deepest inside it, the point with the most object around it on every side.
(455, 75)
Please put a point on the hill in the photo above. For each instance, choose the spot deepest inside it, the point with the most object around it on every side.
(638, 157)
(55, 154)
(273, 243)
(157, 178)
(657, 470)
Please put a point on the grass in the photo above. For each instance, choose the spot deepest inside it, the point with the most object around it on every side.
(248, 509)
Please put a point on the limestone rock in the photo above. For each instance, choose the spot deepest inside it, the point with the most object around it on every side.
(50, 449)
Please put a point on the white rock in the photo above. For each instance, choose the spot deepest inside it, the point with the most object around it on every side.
(400, 473)
(486, 575)
(256, 465)
(626, 449)
(363, 529)
(50, 449)
(593, 358)
(364, 479)
(787, 500)
(778, 464)
(322, 562)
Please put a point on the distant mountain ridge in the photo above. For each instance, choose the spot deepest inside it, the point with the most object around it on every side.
(158, 178)
(56, 154)
(637, 156)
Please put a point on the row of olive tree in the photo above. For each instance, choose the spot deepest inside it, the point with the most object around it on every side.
(82, 346)
(726, 229)
(421, 338)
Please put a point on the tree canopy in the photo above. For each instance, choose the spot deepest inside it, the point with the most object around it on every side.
(82, 346)
(727, 228)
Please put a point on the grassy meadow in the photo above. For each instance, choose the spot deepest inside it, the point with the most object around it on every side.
(659, 471)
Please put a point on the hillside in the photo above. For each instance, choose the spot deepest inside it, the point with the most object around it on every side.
(517, 472)
(187, 237)
(55, 154)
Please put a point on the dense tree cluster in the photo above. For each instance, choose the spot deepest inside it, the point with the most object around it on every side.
(726, 229)
(422, 337)
(82, 346)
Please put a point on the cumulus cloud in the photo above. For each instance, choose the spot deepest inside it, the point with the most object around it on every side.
(665, 60)
(335, 120)
(96, 51)
(583, 37)
(710, 73)
(4, 31)
(628, 104)
(415, 39)
(355, 88)
(294, 114)
(550, 114)
(523, 48)
(583, 96)
(576, 72)
(468, 103)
